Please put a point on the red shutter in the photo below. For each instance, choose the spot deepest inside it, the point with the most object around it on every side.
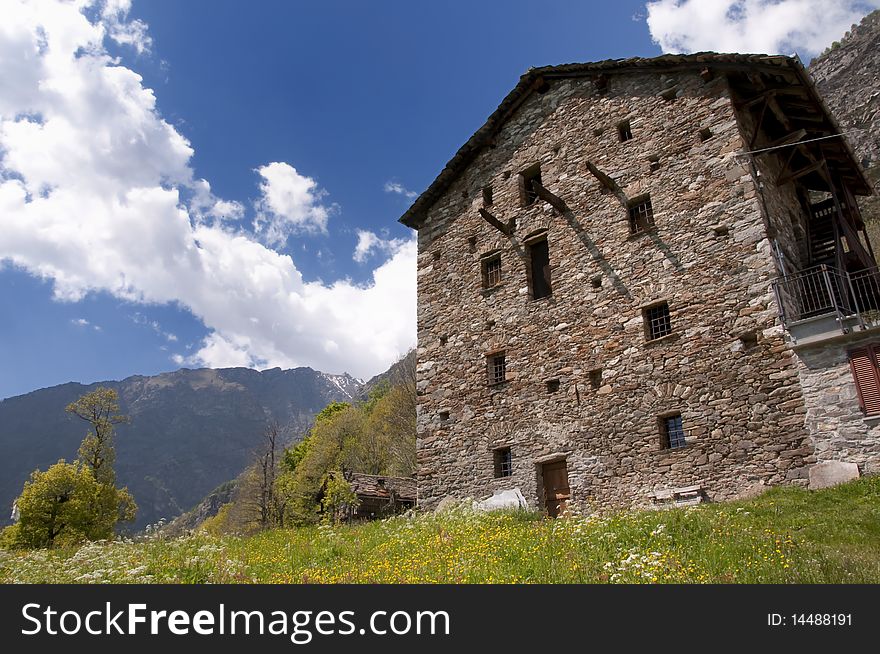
(864, 369)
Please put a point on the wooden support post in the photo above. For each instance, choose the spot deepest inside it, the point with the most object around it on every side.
(758, 123)
(548, 197)
(507, 229)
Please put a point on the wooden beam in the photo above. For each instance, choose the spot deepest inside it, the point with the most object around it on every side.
(761, 97)
(799, 91)
(779, 113)
(817, 118)
(554, 201)
(607, 182)
(806, 170)
(794, 137)
(507, 229)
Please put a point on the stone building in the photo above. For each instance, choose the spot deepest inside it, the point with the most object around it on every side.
(646, 281)
(378, 496)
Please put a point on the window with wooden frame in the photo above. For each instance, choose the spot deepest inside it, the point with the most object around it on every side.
(866, 373)
(491, 267)
(657, 321)
(539, 269)
(528, 195)
(672, 434)
(503, 462)
(641, 214)
(496, 366)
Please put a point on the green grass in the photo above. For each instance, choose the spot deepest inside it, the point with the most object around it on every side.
(788, 535)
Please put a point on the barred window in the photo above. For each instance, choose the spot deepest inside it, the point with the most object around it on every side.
(497, 366)
(641, 215)
(657, 321)
(624, 131)
(492, 271)
(672, 432)
(503, 462)
(866, 373)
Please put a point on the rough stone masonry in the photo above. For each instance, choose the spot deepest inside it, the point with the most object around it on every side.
(654, 368)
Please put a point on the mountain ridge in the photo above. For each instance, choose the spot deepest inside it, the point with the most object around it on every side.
(191, 429)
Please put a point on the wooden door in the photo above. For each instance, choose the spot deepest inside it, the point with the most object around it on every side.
(556, 491)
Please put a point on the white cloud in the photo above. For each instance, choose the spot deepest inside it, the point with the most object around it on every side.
(125, 32)
(397, 187)
(140, 319)
(82, 322)
(290, 203)
(369, 244)
(92, 188)
(205, 205)
(761, 26)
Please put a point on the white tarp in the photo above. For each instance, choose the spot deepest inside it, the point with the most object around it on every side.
(503, 499)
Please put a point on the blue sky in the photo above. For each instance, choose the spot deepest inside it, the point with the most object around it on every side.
(218, 183)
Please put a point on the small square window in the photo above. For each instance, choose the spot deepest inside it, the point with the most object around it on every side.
(672, 434)
(749, 340)
(444, 416)
(492, 271)
(657, 321)
(497, 368)
(596, 378)
(705, 134)
(596, 281)
(641, 215)
(553, 386)
(527, 178)
(624, 131)
(503, 462)
(487, 196)
(654, 162)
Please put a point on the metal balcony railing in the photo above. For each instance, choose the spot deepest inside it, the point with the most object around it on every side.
(824, 290)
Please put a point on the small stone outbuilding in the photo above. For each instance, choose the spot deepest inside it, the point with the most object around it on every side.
(379, 496)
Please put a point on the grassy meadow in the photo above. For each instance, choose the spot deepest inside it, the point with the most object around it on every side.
(787, 535)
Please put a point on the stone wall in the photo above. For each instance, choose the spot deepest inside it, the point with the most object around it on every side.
(838, 428)
(726, 367)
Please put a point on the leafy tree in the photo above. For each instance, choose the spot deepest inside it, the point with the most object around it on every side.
(339, 500)
(72, 502)
(62, 506)
(100, 409)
